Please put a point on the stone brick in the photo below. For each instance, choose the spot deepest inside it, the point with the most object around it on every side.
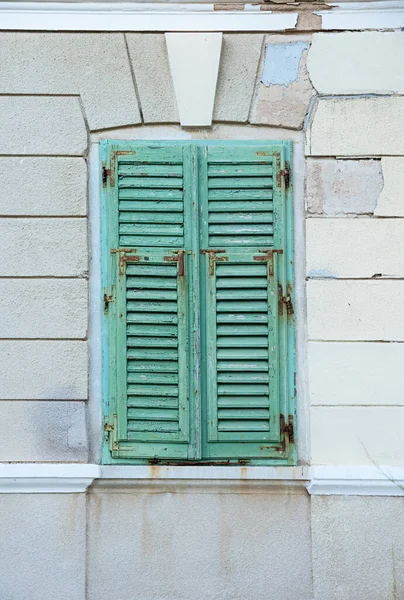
(208, 556)
(43, 308)
(43, 186)
(341, 187)
(355, 310)
(42, 546)
(237, 74)
(284, 91)
(363, 62)
(33, 247)
(357, 127)
(356, 373)
(357, 557)
(96, 66)
(148, 53)
(391, 200)
(42, 125)
(43, 431)
(43, 370)
(358, 248)
(357, 435)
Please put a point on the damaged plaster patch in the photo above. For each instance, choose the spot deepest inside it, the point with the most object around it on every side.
(281, 65)
(337, 187)
(284, 90)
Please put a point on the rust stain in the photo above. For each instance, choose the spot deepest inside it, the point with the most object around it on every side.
(155, 471)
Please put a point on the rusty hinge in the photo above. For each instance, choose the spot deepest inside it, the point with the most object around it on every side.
(108, 428)
(285, 173)
(288, 429)
(284, 300)
(179, 258)
(213, 258)
(107, 299)
(269, 256)
(105, 173)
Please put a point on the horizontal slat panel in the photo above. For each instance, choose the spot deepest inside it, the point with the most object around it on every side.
(243, 413)
(150, 182)
(153, 353)
(158, 318)
(152, 342)
(240, 182)
(242, 241)
(238, 294)
(151, 229)
(242, 390)
(153, 390)
(154, 207)
(231, 270)
(150, 241)
(151, 217)
(239, 342)
(245, 330)
(241, 218)
(238, 205)
(242, 401)
(234, 170)
(240, 377)
(242, 306)
(147, 194)
(242, 194)
(155, 270)
(234, 282)
(242, 365)
(143, 170)
(159, 283)
(163, 378)
(160, 426)
(152, 402)
(240, 229)
(242, 353)
(157, 366)
(151, 307)
(242, 318)
(153, 414)
(153, 330)
(151, 295)
(245, 425)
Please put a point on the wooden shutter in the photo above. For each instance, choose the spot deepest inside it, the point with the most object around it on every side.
(149, 320)
(246, 277)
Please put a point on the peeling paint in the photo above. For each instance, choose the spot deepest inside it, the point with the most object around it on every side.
(281, 66)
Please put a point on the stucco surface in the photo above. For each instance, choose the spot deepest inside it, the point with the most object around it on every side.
(43, 308)
(355, 310)
(356, 373)
(42, 546)
(391, 199)
(42, 125)
(358, 548)
(39, 185)
(342, 187)
(42, 431)
(94, 66)
(46, 247)
(358, 127)
(178, 546)
(43, 370)
(359, 62)
(345, 248)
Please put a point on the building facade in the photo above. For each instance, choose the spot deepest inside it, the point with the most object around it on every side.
(263, 457)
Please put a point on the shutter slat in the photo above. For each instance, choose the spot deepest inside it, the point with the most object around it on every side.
(242, 195)
(142, 366)
(240, 182)
(144, 170)
(150, 182)
(157, 218)
(236, 206)
(148, 194)
(155, 206)
(234, 170)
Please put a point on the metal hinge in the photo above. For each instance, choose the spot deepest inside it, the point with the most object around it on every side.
(288, 429)
(284, 300)
(107, 299)
(105, 173)
(108, 428)
(285, 173)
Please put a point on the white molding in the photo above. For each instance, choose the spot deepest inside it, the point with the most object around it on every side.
(356, 481)
(383, 14)
(31, 478)
(125, 16)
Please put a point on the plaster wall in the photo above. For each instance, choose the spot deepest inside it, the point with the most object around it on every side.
(57, 100)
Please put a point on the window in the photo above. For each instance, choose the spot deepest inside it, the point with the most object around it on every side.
(198, 355)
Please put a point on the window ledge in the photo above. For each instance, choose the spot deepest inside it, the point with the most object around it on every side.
(31, 478)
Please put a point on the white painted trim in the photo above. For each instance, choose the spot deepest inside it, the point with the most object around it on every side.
(356, 481)
(31, 478)
(125, 16)
(24, 478)
(385, 14)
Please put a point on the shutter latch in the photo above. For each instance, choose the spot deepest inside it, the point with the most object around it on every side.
(105, 173)
(285, 300)
(285, 173)
(108, 428)
(288, 429)
(107, 299)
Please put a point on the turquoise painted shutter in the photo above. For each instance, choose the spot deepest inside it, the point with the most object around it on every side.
(148, 205)
(246, 276)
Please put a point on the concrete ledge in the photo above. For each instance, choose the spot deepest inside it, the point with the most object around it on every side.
(30, 478)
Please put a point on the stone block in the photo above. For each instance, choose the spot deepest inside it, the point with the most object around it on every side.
(42, 125)
(237, 74)
(148, 54)
(95, 66)
(344, 373)
(357, 127)
(284, 90)
(342, 187)
(357, 435)
(354, 248)
(42, 546)
(355, 310)
(43, 308)
(43, 370)
(391, 200)
(43, 247)
(358, 548)
(199, 545)
(43, 431)
(36, 186)
(365, 62)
